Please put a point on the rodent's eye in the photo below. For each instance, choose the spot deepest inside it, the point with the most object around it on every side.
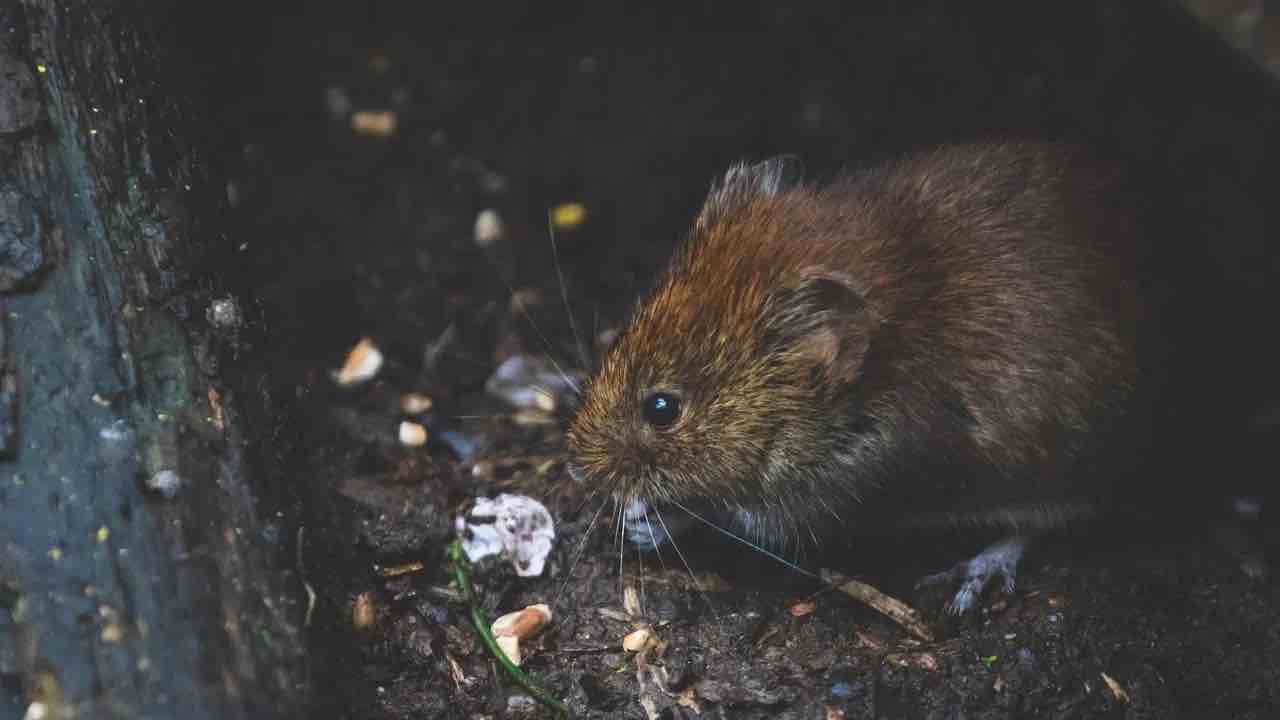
(661, 409)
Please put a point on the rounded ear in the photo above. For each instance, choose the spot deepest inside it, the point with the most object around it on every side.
(824, 319)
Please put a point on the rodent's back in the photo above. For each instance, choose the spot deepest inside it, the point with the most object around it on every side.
(944, 334)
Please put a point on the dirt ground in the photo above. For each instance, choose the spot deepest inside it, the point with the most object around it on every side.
(372, 233)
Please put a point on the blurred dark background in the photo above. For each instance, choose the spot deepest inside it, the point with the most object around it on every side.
(630, 110)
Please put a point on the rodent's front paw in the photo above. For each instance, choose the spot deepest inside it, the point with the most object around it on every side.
(973, 575)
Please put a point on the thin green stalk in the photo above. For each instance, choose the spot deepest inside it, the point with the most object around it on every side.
(481, 623)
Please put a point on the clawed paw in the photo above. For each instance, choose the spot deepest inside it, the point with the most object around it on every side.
(1000, 559)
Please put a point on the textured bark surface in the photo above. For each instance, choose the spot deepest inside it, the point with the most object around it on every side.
(132, 580)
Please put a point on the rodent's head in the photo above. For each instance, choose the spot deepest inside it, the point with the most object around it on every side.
(721, 391)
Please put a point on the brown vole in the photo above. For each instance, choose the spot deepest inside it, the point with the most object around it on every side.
(945, 339)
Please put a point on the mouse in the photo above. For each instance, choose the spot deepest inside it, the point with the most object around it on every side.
(950, 339)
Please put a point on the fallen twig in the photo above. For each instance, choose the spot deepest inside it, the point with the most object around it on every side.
(892, 608)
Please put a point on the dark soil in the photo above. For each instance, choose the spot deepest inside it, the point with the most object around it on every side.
(631, 115)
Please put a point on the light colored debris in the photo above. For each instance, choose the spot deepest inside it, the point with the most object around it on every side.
(375, 123)
(415, 403)
(363, 611)
(165, 482)
(640, 640)
(1116, 688)
(403, 569)
(526, 381)
(489, 228)
(631, 600)
(363, 363)
(516, 526)
(522, 624)
(412, 434)
(510, 647)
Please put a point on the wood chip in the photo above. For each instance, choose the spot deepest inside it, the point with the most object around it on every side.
(892, 608)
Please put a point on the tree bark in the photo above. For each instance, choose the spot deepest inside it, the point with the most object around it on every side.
(134, 581)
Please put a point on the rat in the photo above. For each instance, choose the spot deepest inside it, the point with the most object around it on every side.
(950, 339)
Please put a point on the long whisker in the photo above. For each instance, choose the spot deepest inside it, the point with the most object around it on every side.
(622, 521)
(654, 540)
(692, 576)
(744, 541)
(582, 547)
(541, 335)
(564, 293)
(640, 560)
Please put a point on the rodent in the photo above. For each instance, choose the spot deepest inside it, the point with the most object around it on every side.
(947, 338)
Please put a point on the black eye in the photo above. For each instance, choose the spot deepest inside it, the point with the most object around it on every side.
(661, 409)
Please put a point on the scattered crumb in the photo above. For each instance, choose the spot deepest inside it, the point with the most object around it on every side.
(374, 123)
(489, 228)
(363, 362)
(415, 403)
(412, 434)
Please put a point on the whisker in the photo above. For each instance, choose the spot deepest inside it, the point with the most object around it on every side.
(692, 576)
(653, 538)
(743, 540)
(564, 293)
(582, 547)
(640, 560)
(541, 335)
(622, 521)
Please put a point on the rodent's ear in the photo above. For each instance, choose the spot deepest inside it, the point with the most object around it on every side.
(744, 182)
(823, 320)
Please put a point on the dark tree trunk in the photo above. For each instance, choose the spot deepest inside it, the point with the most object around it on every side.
(133, 578)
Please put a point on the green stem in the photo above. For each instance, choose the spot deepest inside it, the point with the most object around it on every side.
(481, 624)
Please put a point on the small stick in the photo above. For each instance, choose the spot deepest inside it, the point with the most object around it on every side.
(892, 608)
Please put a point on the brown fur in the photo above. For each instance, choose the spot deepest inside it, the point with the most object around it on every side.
(943, 336)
